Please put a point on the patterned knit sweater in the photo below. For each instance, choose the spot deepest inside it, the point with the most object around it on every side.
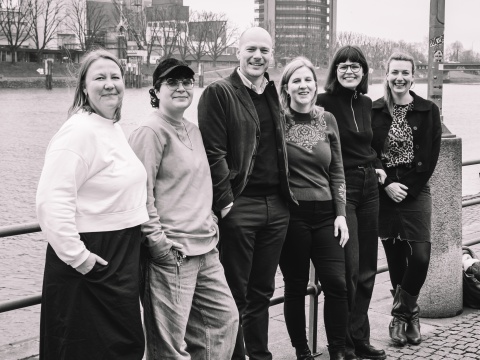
(315, 159)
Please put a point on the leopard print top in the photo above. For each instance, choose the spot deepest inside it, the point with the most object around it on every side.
(399, 144)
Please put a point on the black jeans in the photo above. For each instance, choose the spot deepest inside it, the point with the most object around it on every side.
(251, 240)
(361, 250)
(310, 237)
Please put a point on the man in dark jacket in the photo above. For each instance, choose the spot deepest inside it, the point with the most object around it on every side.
(239, 118)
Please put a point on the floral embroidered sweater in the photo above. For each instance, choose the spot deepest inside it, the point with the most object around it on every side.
(315, 159)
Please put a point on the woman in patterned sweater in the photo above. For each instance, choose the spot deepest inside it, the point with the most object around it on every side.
(406, 136)
(317, 229)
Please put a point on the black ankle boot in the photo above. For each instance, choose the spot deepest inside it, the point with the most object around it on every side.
(413, 323)
(336, 353)
(303, 353)
(400, 317)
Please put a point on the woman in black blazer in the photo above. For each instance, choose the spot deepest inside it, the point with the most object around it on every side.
(406, 136)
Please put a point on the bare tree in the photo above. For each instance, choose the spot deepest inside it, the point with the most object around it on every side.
(455, 50)
(44, 16)
(166, 24)
(88, 22)
(182, 43)
(134, 21)
(378, 50)
(221, 34)
(198, 29)
(14, 24)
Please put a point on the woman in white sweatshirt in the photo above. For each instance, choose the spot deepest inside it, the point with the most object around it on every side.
(91, 200)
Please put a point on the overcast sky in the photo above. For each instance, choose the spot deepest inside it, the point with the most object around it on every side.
(389, 19)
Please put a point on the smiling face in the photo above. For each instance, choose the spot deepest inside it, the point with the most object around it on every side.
(254, 53)
(349, 79)
(302, 89)
(400, 77)
(174, 102)
(104, 87)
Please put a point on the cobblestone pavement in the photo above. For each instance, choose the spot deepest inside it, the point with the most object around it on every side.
(459, 341)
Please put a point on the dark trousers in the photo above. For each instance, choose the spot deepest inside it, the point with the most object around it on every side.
(361, 250)
(310, 236)
(251, 239)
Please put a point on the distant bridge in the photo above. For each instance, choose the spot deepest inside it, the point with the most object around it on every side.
(452, 66)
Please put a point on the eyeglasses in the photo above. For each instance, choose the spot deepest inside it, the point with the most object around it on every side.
(355, 67)
(174, 84)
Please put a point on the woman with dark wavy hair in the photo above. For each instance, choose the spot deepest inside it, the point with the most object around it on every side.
(346, 84)
(91, 200)
(407, 135)
(189, 310)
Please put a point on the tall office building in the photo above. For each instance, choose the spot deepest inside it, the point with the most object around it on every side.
(299, 27)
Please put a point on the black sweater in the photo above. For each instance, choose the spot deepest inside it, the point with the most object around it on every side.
(352, 112)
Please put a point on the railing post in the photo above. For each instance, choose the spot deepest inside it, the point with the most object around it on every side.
(313, 312)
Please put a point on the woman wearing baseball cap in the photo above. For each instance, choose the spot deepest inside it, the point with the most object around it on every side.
(189, 309)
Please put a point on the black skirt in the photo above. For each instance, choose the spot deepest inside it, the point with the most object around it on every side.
(411, 219)
(97, 315)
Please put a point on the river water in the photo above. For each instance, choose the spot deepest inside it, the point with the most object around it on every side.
(29, 118)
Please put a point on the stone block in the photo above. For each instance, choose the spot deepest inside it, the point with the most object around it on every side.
(441, 296)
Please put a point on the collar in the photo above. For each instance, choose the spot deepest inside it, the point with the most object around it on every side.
(419, 103)
(347, 92)
(249, 84)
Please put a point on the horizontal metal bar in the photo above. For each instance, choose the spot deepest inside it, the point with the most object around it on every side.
(20, 303)
(19, 229)
(470, 202)
(382, 269)
(471, 242)
(471, 162)
(311, 290)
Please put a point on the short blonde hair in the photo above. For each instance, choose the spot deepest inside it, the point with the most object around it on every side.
(290, 68)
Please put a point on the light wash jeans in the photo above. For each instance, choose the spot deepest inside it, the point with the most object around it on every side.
(189, 310)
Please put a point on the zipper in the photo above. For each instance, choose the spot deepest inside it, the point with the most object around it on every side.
(353, 112)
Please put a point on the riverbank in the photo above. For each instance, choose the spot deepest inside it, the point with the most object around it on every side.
(25, 75)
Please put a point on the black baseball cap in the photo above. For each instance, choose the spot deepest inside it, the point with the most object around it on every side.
(166, 67)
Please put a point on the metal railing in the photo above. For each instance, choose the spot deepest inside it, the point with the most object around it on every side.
(473, 201)
(313, 291)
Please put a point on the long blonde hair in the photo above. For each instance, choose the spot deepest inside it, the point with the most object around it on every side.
(80, 100)
(399, 56)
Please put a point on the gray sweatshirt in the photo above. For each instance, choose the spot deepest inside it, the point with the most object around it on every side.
(179, 186)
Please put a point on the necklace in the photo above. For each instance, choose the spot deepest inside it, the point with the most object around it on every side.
(182, 133)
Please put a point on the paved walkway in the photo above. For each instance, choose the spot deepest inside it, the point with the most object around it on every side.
(450, 338)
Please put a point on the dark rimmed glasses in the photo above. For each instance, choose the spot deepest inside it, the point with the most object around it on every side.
(174, 84)
(355, 67)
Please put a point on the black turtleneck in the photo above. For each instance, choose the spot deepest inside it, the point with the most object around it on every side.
(352, 112)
